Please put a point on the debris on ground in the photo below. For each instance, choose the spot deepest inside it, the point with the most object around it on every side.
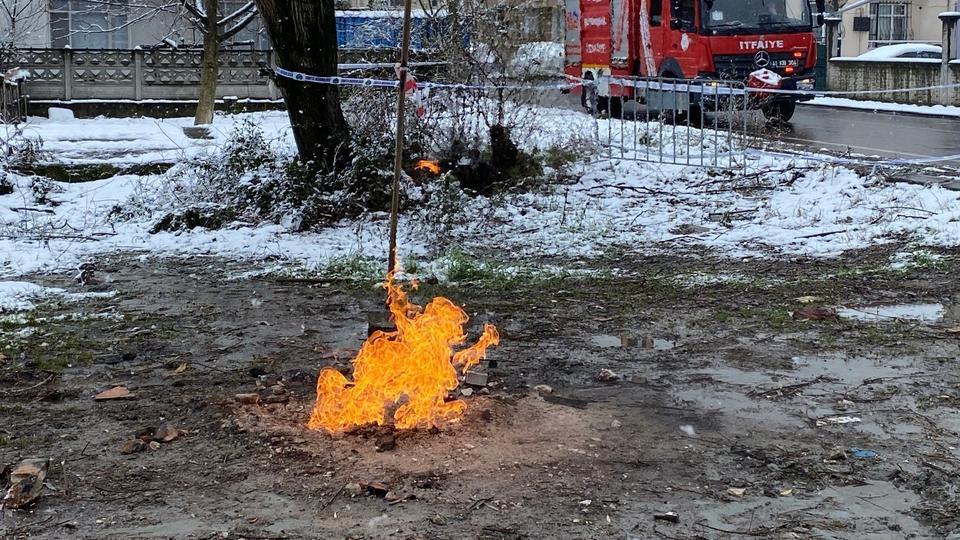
(543, 389)
(688, 429)
(475, 378)
(248, 399)
(816, 313)
(607, 375)
(117, 392)
(669, 517)
(133, 446)
(736, 492)
(863, 453)
(26, 483)
(386, 442)
(275, 394)
(395, 498)
(838, 420)
(353, 489)
(377, 489)
(166, 433)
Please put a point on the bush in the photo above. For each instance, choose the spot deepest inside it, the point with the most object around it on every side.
(17, 151)
(247, 179)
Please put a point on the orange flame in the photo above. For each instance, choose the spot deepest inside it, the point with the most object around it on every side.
(429, 165)
(411, 369)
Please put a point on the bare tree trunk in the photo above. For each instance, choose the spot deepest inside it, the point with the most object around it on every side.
(304, 35)
(209, 70)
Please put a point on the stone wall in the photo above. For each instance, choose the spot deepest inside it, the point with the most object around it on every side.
(847, 75)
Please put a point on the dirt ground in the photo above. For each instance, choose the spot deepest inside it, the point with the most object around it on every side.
(725, 411)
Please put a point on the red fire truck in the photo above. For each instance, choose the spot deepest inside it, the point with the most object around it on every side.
(694, 39)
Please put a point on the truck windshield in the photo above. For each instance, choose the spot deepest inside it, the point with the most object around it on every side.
(761, 16)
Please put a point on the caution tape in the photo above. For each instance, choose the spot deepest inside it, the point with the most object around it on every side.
(392, 83)
(707, 87)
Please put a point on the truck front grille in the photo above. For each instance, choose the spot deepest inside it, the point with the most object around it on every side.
(739, 66)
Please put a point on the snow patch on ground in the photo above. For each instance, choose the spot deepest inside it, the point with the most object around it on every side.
(19, 295)
(124, 141)
(23, 295)
(935, 110)
(776, 208)
(639, 207)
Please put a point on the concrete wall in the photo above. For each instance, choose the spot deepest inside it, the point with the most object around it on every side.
(844, 75)
(924, 25)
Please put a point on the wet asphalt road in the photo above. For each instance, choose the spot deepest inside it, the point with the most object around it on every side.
(873, 133)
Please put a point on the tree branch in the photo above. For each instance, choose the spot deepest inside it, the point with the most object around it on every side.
(239, 26)
(237, 14)
(196, 12)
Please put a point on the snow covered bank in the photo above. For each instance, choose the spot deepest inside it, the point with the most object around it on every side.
(123, 141)
(18, 295)
(776, 208)
(934, 110)
(22, 295)
(810, 210)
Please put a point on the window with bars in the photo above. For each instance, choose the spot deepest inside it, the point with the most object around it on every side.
(890, 21)
(86, 24)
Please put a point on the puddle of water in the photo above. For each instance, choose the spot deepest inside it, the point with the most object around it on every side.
(929, 313)
(656, 344)
(848, 370)
(606, 341)
(649, 343)
(735, 405)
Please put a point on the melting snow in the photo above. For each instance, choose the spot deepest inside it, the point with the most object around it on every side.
(819, 210)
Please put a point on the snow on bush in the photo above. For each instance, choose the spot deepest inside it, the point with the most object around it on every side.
(236, 201)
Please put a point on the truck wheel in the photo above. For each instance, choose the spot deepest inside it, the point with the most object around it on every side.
(694, 116)
(688, 118)
(616, 107)
(779, 111)
(588, 96)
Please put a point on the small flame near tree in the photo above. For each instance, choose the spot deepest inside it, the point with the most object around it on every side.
(429, 165)
(408, 372)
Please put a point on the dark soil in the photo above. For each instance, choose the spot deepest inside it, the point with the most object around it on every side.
(723, 411)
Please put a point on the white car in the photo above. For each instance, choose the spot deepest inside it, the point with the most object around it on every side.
(903, 52)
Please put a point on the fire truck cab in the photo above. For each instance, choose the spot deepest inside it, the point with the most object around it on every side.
(694, 39)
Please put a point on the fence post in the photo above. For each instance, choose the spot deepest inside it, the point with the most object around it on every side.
(271, 82)
(67, 73)
(137, 73)
(949, 20)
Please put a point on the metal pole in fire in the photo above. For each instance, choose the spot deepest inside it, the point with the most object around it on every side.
(398, 150)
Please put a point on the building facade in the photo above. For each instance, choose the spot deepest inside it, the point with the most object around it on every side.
(120, 24)
(868, 24)
(112, 24)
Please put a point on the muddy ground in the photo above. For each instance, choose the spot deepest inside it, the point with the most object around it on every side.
(724, 412)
